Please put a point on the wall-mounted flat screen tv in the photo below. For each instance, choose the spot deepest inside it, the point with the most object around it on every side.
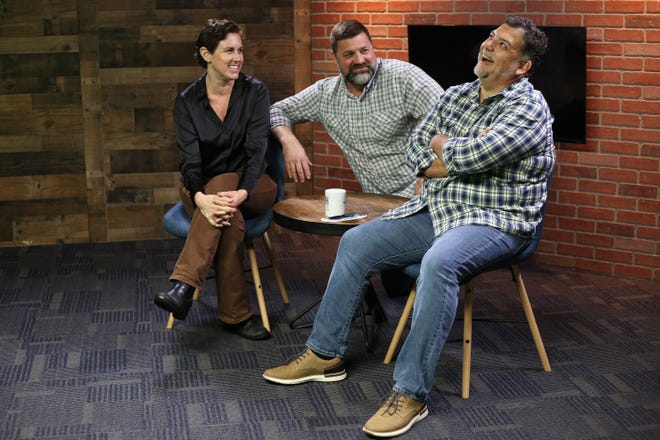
(449, 53)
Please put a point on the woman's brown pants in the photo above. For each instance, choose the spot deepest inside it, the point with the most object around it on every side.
(223, 247)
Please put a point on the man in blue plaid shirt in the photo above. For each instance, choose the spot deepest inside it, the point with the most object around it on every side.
(485, 153)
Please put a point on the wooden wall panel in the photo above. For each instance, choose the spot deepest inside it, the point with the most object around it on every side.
(96, 166)
(63, 228)
(87, 150)
(32, 45)
(302, 78)
(40, 187)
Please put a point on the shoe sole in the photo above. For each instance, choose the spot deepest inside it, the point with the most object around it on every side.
(316, 378)
(261, 337)
(419, 417)
(165, 305)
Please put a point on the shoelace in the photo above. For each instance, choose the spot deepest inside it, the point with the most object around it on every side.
(394, 402)
(301, 356)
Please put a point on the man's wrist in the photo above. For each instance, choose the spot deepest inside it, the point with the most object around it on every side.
(437, 143)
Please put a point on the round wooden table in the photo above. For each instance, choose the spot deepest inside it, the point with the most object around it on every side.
(304, 213)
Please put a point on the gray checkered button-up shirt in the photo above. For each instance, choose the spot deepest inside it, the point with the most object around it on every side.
(373, 130)
(498, 179)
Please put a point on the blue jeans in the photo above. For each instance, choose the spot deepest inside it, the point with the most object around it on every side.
(447, 261)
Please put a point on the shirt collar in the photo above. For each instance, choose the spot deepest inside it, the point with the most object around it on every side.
(515, 87)
(371, 82)
(511, 89)
(200, 86)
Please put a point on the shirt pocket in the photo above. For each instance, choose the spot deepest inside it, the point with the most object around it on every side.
(386, 131)
(338, 127)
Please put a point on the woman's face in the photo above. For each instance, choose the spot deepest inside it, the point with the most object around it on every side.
(226, 61)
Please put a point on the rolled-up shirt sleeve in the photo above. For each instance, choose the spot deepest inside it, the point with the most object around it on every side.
(517, 132)
(304, 106)
(420, 155)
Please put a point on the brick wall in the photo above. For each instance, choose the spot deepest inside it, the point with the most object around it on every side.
(604, 206)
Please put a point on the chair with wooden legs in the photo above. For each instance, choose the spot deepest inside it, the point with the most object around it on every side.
(512, 265)
(177, 222)
(467, 324)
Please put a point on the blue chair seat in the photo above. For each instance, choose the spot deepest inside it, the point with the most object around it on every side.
(176, 221)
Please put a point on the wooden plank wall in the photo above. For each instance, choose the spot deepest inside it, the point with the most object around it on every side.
(87, 150)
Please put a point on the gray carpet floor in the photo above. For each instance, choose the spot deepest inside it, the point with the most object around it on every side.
(84, 354)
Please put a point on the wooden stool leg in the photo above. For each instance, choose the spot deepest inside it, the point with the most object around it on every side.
(529, 314)
(402, 324)
(170, 319)
(254, 267)
(276, 268)
(467, 339)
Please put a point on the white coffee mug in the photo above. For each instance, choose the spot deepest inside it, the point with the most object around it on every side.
(335, 202)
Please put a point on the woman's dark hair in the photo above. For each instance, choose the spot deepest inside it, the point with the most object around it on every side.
(346, 29)
(535, 40)
(212, 34)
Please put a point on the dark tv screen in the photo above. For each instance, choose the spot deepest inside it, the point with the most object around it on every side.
(449, 53)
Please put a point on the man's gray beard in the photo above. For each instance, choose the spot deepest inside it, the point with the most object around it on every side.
(359, 79)
(479, 74)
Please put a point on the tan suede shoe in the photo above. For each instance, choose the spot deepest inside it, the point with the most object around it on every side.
(397, 415)
(307, 367)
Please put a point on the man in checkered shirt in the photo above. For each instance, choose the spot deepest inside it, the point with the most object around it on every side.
(369, 110)
(486, 153)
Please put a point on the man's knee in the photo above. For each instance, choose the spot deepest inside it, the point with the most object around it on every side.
(440, 264)
(355, 244)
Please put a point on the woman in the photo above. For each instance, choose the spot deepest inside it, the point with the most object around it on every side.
(222, 125)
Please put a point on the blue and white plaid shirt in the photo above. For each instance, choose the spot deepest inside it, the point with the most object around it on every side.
(373, 129)
(498, 179)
